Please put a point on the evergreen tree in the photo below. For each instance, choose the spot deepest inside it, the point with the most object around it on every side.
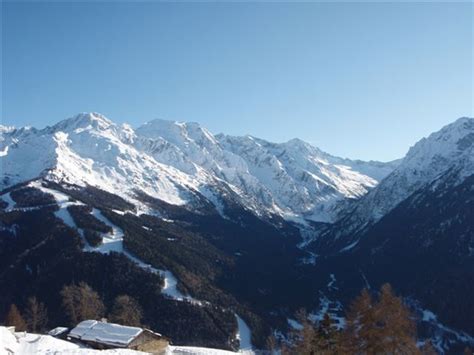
(126, 311)
(81, 302)
(14, 318)
(36, 315)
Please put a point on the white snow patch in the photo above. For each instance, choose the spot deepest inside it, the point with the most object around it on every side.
(110, 241)
(62, 200)
(4, 152)
(332, 308)
(114, 242)
(331, 283)
(170, 288)
(443, 336)
(293, 323)
(349, 247)
(244, 335)
(429, 316)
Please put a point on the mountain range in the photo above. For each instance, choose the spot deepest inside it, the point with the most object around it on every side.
(175, 161)
(238, 225)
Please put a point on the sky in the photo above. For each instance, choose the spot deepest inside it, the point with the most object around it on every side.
(360, 80)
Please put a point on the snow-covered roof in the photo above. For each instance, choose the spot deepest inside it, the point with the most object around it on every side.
(105, 333)
(57, 331)
(23, 343)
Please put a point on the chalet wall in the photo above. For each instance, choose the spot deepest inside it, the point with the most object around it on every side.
(148, 341)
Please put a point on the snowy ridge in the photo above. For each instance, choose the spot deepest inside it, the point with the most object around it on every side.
(176, 162)
(299, 179)
(450, 150)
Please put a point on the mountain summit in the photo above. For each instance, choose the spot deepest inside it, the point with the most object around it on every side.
(446, 157)
(175, 162)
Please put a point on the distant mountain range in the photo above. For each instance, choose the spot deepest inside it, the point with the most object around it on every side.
(254, 228)
(175, 161)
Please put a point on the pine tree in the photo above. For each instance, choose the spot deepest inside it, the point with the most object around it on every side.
(36, 315)
(81, 302)
(15, 319)
(126, 311)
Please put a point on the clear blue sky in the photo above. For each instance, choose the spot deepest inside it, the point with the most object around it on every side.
(362, 80)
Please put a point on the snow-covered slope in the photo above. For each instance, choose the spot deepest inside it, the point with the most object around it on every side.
(90, 149)
(176, 162)
(446, 156)
(293, 179)
(451, 148)
(300, 178)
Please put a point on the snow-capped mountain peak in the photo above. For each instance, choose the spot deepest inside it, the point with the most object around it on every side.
(173, 161)
(442, 148)
(450, 149)
(85, 120)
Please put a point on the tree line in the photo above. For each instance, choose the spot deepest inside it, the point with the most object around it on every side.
(373, 325)
(79, 302)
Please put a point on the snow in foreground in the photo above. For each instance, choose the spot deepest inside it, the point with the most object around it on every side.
(22, 343)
